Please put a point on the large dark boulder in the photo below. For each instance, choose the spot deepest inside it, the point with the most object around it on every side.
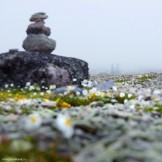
(49, 74)
(41, 68)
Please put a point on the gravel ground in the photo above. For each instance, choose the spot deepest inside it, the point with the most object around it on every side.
(121, 124)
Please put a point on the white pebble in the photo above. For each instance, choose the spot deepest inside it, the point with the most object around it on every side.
(122, 94)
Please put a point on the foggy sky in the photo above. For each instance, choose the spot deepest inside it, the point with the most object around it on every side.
(102, 32)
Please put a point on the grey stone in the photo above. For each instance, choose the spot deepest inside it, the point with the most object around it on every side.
(71, 89)
(39, 42)
(13, 50)
(97, 104)
(38, 28)
(105, 85)
(39, 16)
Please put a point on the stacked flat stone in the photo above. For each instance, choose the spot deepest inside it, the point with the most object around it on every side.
(37, 39)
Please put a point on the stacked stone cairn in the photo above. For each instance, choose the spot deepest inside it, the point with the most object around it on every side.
(36, 65)
(37, 39)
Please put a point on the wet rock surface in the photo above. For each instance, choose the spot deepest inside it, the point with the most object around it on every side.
(43, 69)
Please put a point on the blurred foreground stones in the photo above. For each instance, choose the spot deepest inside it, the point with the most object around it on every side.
(124, 126)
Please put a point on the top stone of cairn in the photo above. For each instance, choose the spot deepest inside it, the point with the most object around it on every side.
(39, 16)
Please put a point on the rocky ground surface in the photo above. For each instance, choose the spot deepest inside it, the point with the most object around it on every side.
(103, 121)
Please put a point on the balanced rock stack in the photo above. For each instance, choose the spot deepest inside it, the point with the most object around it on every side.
(37, 39)
(36, 65)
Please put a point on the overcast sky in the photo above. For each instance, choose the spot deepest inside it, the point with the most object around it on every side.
(102, 32)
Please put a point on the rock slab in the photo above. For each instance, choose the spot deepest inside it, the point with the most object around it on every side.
(41, 68)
